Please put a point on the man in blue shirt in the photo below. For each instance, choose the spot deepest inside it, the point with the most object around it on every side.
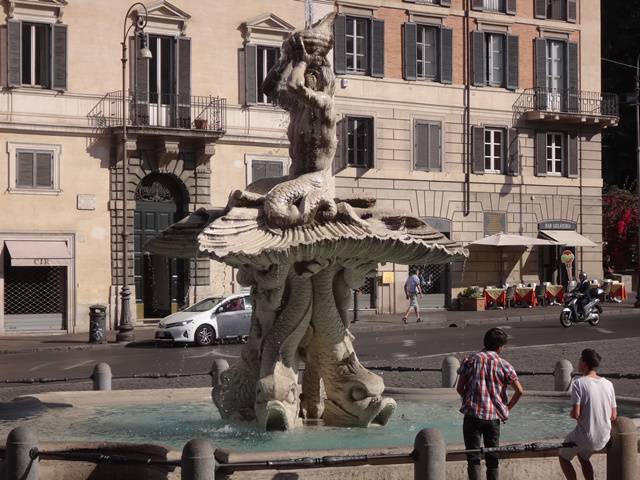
(412, 290)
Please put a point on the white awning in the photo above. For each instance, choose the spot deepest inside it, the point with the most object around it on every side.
(569, 238)
(38, 253)
(510, 240)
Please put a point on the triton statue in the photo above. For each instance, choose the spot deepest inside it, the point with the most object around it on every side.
(302, 251)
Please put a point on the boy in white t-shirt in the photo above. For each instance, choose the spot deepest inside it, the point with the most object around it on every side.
(594, 408)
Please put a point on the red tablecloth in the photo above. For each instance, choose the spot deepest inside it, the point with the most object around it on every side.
(495, 296)
(618, 290)
(554, 293)
(527, 296)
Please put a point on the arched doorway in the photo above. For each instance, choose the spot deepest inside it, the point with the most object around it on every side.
(159, 280)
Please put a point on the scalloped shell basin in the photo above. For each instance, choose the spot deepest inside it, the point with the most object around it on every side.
(174, 421)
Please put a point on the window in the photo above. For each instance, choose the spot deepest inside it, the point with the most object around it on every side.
(34, 170)
(556, 9)
(357, 44)
(427, 146)
(427, 52)
(495, 49)
(359, 142)
(35, 54)
(564, 10)
(494, 148)
(267, 58)
(161, 71)
(266, 169)
(494, 5)
(555, 153)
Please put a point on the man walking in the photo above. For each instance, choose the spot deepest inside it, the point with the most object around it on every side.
(594, 408)
(412, 290)
(482, 384)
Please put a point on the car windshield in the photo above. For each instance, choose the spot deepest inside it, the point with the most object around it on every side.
(204, 305)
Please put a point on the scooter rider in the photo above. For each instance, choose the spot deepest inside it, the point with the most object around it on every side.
(584, 288)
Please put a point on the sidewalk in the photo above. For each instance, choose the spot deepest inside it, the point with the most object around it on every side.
(366, 322)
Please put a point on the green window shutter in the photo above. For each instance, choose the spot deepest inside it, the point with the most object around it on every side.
(60, 56)
(479, 59)
(435, 148)
(477, 162)
(541, 154)
(573, 170)
(44, 170)
(513, 160)
(250, 74)
(513, 61)
(572, 11)
(24, 169)
(410, 59)
(540, 9)
(14, 57)
(377, 48)
(421, 146)
(183, 75)
(446, 55)
(340, 45)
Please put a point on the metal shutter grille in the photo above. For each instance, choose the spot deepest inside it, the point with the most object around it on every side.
(44, 170)
(410, 39)
(59, 79)
(24, 169)
(34, 290)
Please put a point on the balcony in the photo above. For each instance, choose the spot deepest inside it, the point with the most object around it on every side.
(567, 107)
(162, 114)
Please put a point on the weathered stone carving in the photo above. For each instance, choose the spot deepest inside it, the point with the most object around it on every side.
(302, 251)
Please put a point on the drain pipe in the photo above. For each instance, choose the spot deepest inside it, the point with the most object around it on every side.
(466, 148)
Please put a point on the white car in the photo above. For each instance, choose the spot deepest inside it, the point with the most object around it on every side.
(211, 319)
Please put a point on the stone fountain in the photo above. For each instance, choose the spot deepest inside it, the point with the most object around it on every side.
(301, 250)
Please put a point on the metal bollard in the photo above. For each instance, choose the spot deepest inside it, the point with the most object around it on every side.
(22, 444)
(450, 366)
(101, 377)
(430, 455)
(198, 461)
(622, 454)
(562, 375)
(217, 369)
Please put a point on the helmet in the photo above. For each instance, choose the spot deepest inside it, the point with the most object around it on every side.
(582, 276)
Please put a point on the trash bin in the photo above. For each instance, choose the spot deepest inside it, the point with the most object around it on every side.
(97, 324)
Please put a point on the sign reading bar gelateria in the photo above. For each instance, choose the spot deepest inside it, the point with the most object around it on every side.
(558, 225)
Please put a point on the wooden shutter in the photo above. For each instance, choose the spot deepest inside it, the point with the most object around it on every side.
(513, 158)
(141, 87)
(184, 82)
(513, 61)
(410, 51)
(340, 45)
(421, 146)
(572, 11)
(477, 162)
(377, 48)
(24, 169)
(446, 55)
(44, 48)
(250, 74)
(477, 5)
(435, 148)
(479, 59)
(274, 169)
(541, 73)
(540, 9)
(340, 158)
(60, 42)
(573, 94)
(371, 135)
(541, 154)
(44, 170)
(258, 170)
(14, 57)
(557, 7)
(511, 7)
(573, 170)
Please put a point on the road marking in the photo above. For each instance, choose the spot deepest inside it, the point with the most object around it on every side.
(408, 342)
(401, 355)
(38, 367)
(71, 367)
(213, 353)
(604, 330)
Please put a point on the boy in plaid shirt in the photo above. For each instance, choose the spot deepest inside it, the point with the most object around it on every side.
(482, 384)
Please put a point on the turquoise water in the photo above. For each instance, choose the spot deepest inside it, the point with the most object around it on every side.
(174, 425)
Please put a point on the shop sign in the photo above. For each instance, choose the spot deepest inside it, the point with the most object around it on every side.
(558, 225)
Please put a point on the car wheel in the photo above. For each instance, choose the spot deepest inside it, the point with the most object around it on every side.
(205, 335)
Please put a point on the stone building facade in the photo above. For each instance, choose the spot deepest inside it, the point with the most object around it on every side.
(478, 115)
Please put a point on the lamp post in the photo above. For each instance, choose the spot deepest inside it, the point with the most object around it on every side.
(125, 326)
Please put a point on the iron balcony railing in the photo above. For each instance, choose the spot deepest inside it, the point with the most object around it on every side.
(205, 113)
(568, 101)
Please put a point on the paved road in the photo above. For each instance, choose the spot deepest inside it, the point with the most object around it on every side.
(411, 343)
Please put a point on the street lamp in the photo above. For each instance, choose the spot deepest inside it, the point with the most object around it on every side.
(125, 326)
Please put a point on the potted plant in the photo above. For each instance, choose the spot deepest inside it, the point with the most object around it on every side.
(200, 123)
(471, 299)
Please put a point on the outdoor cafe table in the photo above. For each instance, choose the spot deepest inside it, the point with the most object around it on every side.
(495, 296)
(554, 294)
(618, 290)
(526, 295)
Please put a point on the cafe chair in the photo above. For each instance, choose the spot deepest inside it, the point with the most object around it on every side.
(606, 291)
(541, 296)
